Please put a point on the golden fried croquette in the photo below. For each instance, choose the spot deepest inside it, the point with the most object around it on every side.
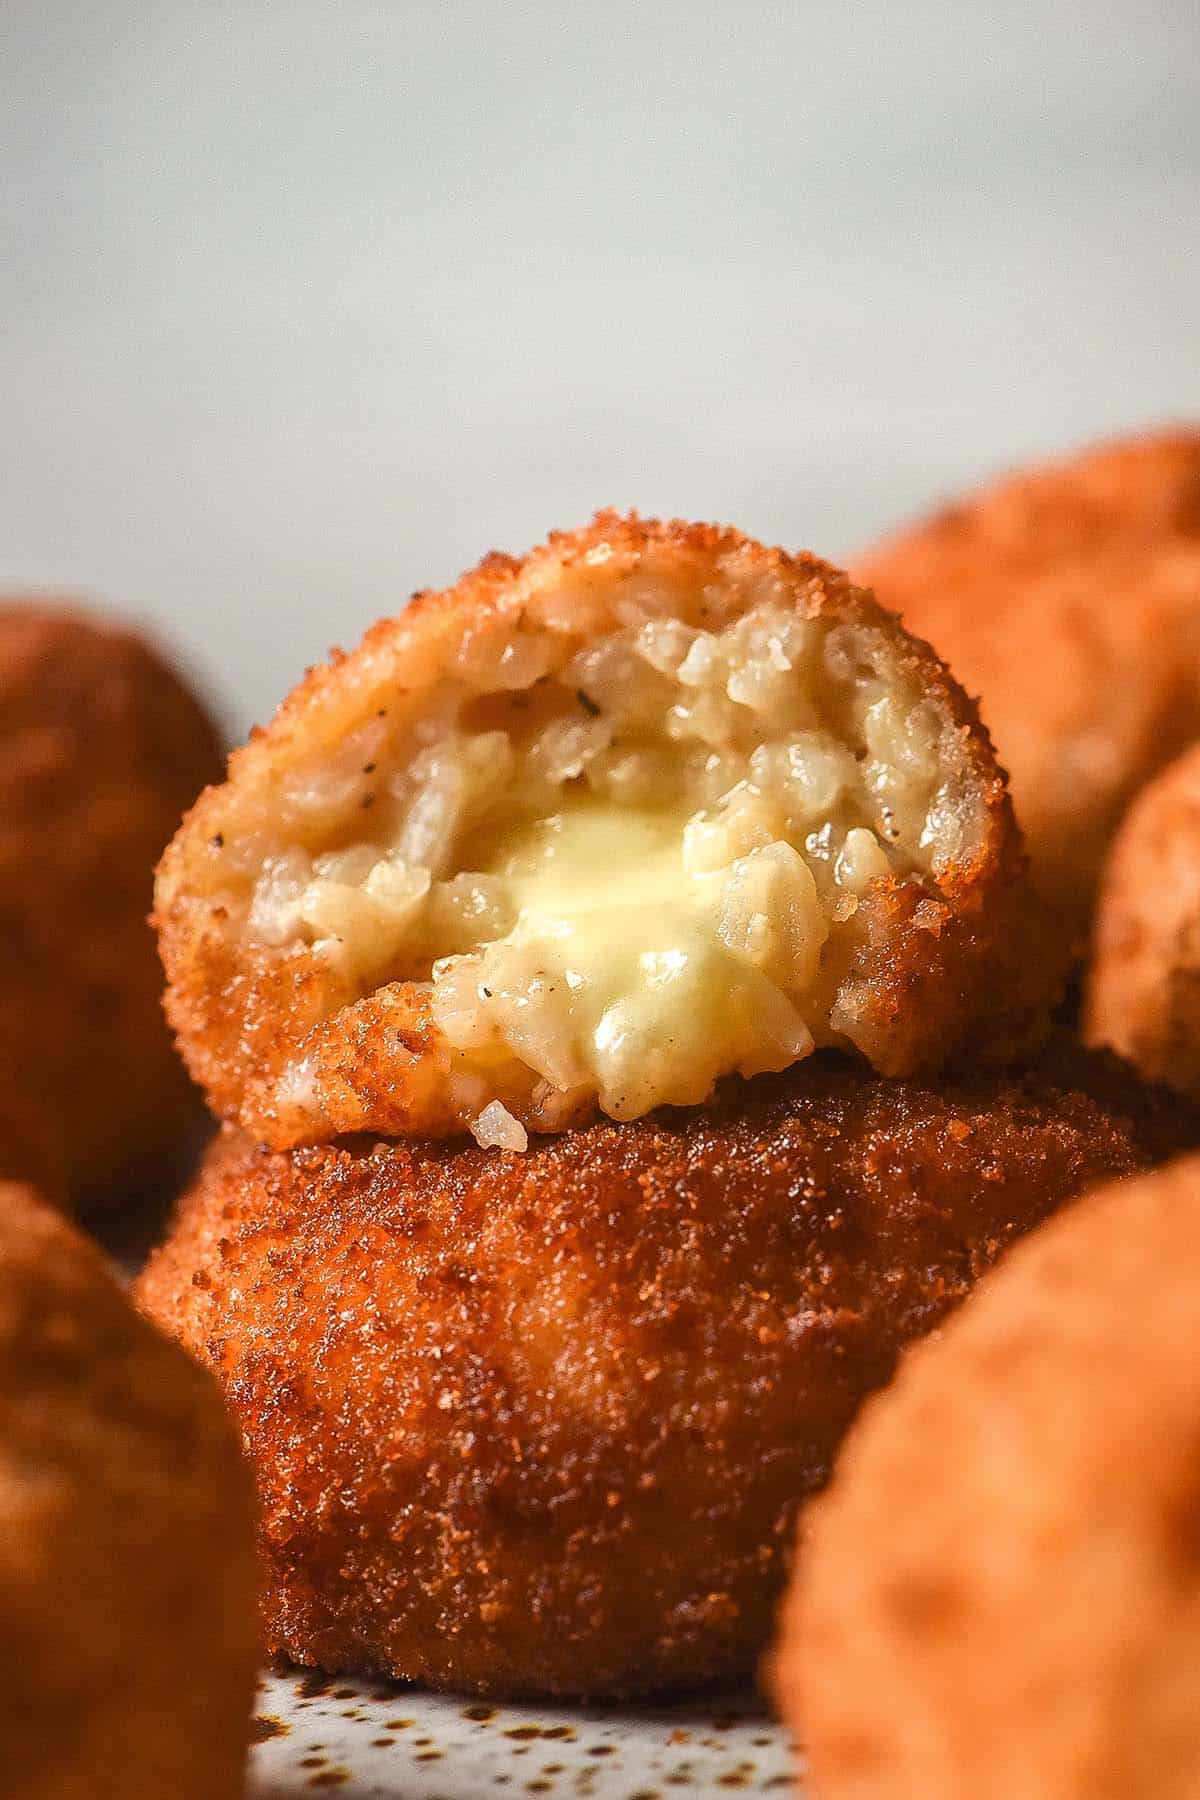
(101, 748)
(1143, 994)
(1000, 1593)
(128, 1642)
(595, 828)
(1068, 598)
(540, 1424)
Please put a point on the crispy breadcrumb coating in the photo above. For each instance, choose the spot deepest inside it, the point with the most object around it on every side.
(102, 746)
(127, 1579)
(1000, 1593)
(1144, 982)
(541, 1424)
(590, 830)
(1067, 597)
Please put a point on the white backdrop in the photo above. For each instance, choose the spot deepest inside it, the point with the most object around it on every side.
(305, 305)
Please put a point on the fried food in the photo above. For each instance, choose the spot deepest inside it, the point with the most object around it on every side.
(1068, 598)
(1000, 1593)
(1144, 982)
(101, 748)
(541, 1424)
(592, 829)
(127, 1578)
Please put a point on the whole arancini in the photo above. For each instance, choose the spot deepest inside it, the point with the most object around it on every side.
(999, 1594)
(1066, 597)
(541, 1423)
(128, 1629)
(102, 746)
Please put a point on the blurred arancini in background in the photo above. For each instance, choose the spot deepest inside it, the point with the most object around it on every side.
(1066, 598)
(1143, 992)
(999, 1594)
(102, 747)
(128, 1630)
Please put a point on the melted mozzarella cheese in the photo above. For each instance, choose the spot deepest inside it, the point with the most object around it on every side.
(625, 969)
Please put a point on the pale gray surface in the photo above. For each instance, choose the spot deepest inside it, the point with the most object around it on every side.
(305, 305)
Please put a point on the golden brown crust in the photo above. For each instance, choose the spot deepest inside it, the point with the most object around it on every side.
(1144, 982)
(101, 748)
(1068, 597)
(127, 1579)
(541, 1423)
(1000, 1593)
(969, 962)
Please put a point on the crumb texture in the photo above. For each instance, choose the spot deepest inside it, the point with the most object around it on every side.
(589, 832)
(542, 1423)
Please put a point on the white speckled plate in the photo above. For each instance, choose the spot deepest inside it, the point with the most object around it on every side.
(362, 1741)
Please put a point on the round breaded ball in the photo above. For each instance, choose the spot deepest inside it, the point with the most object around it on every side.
(1000, 1593)
(587, 832)
(128, 1635)
(1067, 597)
(1143, 994)
(102, 746)
(541, 1423)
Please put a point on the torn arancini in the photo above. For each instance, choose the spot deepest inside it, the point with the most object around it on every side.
(593, 829)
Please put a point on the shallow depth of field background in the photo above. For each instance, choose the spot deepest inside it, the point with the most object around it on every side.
(305, 305)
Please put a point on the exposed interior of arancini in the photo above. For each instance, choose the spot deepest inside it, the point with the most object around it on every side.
(621, 837)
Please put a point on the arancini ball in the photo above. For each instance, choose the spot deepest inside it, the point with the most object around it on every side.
(128, 1586)
(1066, 597)
(588, 831)
(541, 1423)
(999, 1594)
(102, 746)
(1143, 983)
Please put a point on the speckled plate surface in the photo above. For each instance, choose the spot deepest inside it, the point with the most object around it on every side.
(318, 1734)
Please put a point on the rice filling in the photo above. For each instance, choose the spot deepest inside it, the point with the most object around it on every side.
(624, 862)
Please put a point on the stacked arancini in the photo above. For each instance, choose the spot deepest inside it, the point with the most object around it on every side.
(128, 1647)
(1067, 598)
(1000, 1592)
(102, 746)
(598, 832)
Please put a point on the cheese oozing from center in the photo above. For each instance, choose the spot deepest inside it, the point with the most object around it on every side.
(615, 867)
(633, 966)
